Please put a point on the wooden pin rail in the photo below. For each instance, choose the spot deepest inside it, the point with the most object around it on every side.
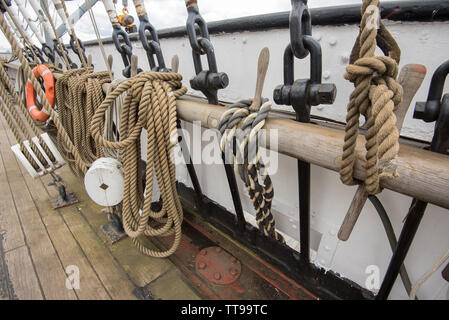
(422, 174)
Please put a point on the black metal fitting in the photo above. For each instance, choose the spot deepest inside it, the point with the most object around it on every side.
(207, 81)
(125, 50)
(75, 48)
(48, 52)
(152, 47)
(58, 51)
(436, 109)
(300, 26)
(3, 9)
(304, 93)
(429, 110)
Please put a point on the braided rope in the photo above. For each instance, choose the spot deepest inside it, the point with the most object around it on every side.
(149, 103)
(246, 159)
(376, 95)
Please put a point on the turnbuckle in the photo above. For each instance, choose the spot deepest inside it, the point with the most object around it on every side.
(125, 50)
(207, 81)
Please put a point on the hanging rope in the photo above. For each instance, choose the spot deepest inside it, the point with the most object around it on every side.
(246, 159)
(8, 88)
(64, 55)
(376, 95)
(61, 130)
(78, 94)
(150, 103)
(78, 47)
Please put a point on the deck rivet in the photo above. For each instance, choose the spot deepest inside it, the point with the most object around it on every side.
(217, 276)
(233, 272)
(202, 265)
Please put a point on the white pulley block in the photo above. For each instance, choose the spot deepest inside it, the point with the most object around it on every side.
(104, 182)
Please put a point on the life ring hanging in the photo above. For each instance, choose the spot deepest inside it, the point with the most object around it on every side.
(40, 71)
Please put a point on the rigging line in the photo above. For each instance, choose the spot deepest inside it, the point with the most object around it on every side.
(19, 29)
(72, 29)
(97, 33)
(47, 12)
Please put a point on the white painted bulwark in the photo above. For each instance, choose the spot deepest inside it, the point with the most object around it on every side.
(424, 43)
(104, 182)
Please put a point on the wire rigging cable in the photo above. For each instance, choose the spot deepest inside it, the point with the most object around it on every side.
(150, 103)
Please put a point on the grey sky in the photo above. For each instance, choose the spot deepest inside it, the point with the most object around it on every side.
(172, 13)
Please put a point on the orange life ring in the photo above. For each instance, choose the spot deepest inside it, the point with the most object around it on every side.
(40, 71)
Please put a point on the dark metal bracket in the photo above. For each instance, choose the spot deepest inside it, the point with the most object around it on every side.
(125, 50)
(302, 95)
(435, 109)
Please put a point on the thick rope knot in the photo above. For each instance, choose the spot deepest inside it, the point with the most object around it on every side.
(240, 127)
(376, 95)
(149, 102)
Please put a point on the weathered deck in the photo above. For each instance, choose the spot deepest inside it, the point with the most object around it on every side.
(37, 244)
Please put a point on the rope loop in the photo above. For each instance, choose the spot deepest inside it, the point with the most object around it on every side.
(240, 126)
(149, 102)
(376, 95)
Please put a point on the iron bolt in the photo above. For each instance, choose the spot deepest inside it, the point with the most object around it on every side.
(233, 272)
(217, 276)
(202, 265)
(326, 93)
(420, 110)
(218, 80)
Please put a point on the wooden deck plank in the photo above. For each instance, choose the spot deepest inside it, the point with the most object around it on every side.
(9, 221)
(108, 270)
(22, 275)
(49, 268)
(141, 269)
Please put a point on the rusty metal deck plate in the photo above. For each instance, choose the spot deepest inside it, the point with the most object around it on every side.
(217, 266)
(254, 278)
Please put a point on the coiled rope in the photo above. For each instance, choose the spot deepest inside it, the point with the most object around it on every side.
(78, 94)
(150, 103)
(243, 124)
(376, 95)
